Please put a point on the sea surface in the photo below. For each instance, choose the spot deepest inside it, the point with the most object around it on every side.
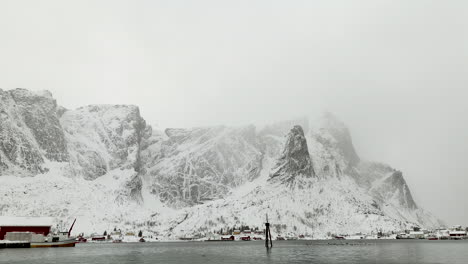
(328, 251)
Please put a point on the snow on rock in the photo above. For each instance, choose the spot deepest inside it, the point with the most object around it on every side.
(95, 204)
(201, 164)
(389, 189)
(101, 138)
(331, 203)
(30, 132)
(295, 161)
(325, 206)
(333, 133)
(103, 165)
(29, 221)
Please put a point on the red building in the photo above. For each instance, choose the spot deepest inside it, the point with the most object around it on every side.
(37, 225)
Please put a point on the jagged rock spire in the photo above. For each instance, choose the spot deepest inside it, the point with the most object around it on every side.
(295, 160)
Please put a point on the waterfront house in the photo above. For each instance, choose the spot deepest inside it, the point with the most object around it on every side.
(34, 225)
(416, 234)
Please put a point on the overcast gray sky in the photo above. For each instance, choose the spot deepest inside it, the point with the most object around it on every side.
(395, 71)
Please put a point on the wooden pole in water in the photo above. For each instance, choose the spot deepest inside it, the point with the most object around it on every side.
(268, 240)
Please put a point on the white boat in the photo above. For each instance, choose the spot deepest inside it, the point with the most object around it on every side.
(61, 243)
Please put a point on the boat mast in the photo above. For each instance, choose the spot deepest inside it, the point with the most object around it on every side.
(69, 231)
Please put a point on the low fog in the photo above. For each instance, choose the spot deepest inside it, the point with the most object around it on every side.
(396, 72)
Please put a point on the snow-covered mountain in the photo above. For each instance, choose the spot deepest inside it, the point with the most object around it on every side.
(104, 165)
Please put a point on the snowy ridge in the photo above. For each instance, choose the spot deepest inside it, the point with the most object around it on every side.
(203, 164)
(109, 169)
(102, 138)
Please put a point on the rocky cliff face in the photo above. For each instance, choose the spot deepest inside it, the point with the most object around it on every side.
(333, 152)
(386, 185)
(306, 175)
(295, 162)
(200, 164)
(30, 132)
(101, 138)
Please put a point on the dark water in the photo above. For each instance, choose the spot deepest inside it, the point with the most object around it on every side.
(347, 251)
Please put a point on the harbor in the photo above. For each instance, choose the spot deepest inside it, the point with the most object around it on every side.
(36, 232)
(298, 251)
(32, 232)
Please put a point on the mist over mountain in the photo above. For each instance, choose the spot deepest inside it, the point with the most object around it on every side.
(104, 165)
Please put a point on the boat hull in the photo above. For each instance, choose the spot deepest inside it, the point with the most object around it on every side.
(66, 243)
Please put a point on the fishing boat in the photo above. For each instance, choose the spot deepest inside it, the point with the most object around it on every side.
(59, 239)
(60, 243)
(33, 232)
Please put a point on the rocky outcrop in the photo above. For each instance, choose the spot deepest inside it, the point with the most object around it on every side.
(30, 132)
(101, 138)
(295, 160)
(272, 136)
(386, 185)
(201, 164)
(395, 187)
(39, 112)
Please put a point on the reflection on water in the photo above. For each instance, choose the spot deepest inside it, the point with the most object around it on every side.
(348, 251)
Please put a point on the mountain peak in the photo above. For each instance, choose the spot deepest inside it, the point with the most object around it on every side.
(295, 160)
(330, 125)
